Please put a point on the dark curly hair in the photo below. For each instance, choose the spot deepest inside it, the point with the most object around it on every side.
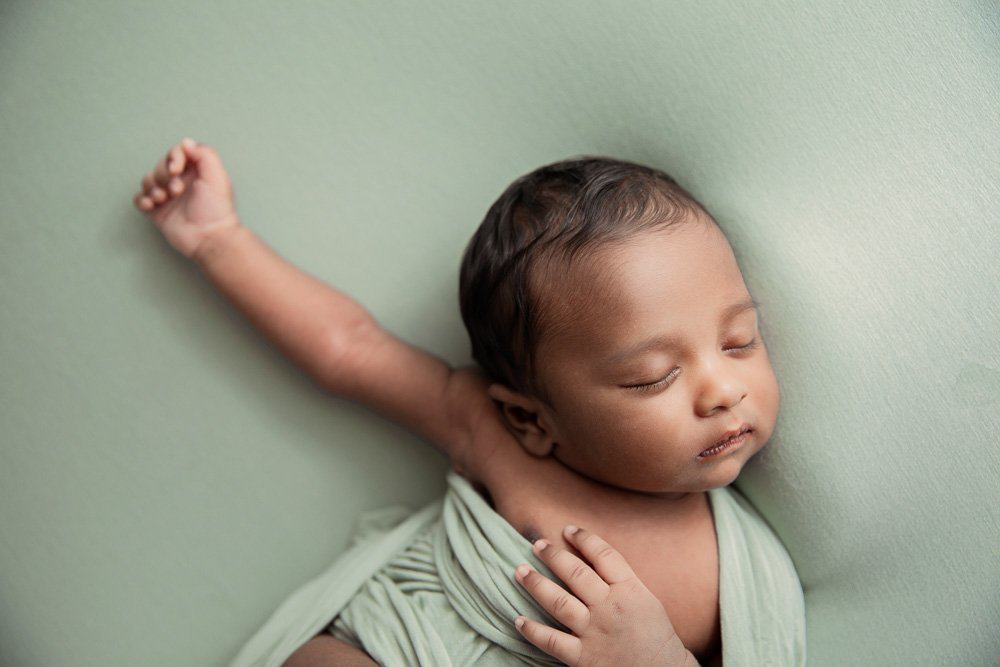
(558, 211)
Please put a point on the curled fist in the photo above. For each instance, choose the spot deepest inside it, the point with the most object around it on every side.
(188, 196)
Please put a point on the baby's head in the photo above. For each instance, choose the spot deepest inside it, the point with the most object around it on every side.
(607, 308)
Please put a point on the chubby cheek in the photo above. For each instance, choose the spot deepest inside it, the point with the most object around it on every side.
(654, 461)
(768, 405)
(631, 447)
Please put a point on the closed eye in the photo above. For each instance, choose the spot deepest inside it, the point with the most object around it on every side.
(650, 386)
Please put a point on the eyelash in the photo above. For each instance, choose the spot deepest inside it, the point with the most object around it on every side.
(642, 388)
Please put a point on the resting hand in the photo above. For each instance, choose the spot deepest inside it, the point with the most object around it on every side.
(615, 619)
(189, 196)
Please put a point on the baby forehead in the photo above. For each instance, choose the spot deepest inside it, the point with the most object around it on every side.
(602, 294)
(581, 291)
(589, 318)
(593, 290)
(585, 314)
(643, 271)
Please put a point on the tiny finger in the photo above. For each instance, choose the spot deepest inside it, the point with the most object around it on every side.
(561, 646)
(606, 560)
(160, 174)
(561, 605)
(176, 185)
(143, 202)
(159, 195)
(148, 183)
(175, 160)
(579, 576)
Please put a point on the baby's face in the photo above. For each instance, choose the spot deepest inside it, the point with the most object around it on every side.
(677, 284)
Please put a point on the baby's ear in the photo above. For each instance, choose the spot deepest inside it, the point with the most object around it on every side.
(499, 392)
(518, 405)
(520, 415)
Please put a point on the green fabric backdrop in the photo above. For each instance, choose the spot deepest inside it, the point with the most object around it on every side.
(167, 477)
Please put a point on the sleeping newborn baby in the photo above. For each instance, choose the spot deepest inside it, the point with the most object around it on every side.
(621, 384)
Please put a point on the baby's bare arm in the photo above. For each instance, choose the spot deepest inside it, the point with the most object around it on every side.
(339, 344)
(300, 314)
(189, 197)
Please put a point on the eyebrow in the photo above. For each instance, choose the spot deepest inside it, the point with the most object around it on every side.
(670, 341)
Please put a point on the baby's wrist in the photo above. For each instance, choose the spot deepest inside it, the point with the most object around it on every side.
(690, 660)
(675, 654)
(215, 242)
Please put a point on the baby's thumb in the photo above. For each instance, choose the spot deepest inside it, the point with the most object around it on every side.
(207, 162)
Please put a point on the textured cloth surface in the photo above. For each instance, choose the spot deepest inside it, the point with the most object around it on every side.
(436, 587)
(166, 480)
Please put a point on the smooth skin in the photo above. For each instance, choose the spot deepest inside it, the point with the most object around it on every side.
(615, 619)
(189, 197)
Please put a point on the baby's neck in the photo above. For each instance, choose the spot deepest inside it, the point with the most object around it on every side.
(561, 484)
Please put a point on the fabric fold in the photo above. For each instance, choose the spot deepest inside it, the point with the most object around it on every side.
(436, 587)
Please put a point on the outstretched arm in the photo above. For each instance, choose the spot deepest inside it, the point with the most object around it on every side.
(189, 197)
(408, 385)
(340, 345)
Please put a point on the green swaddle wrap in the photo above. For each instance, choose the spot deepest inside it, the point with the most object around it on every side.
(436, 587)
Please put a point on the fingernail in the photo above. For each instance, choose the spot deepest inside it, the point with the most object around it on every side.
(188, 141)
(519, 621)
(540, 546)
(571, 529)
(522, 571)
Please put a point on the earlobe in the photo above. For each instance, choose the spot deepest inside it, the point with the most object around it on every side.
(521, 417)
(538, 443)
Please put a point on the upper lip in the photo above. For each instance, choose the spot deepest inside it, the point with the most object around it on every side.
(730, 433)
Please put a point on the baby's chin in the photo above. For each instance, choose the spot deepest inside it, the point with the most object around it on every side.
(703, 476)
(665, 480)
(724, 471)
(673, 490)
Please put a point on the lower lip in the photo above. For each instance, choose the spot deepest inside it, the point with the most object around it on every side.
(726, 448)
